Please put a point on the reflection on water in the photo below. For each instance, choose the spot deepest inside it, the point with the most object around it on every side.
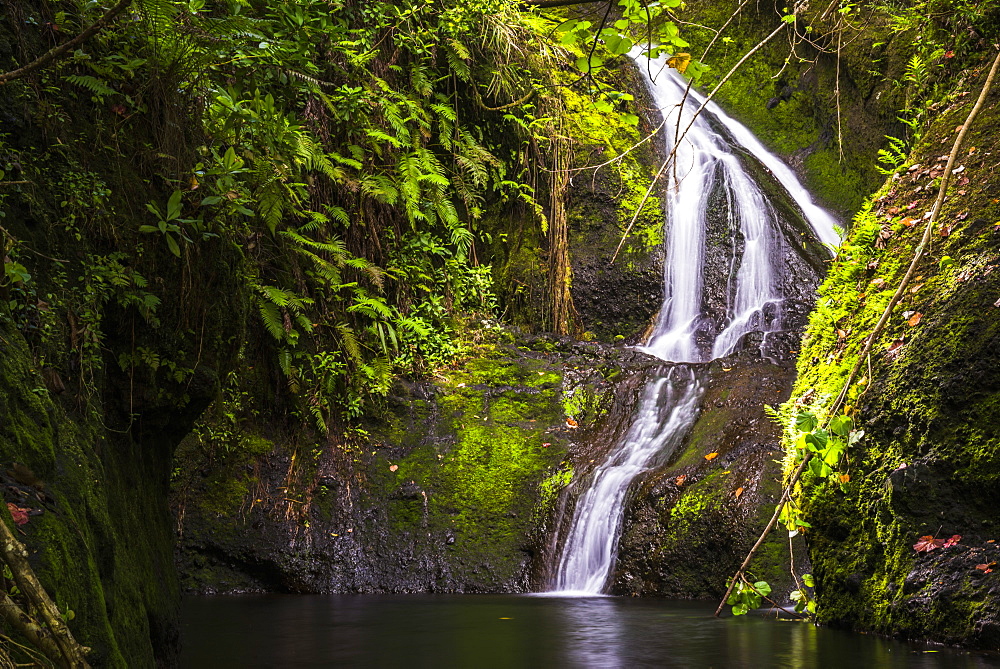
(521, 631)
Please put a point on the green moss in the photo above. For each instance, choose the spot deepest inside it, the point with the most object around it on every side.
(102, 544)
(929, 460)
(794, 109)
(484, 485)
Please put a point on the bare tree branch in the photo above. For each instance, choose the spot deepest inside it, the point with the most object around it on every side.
(60, 50)
(547, 4)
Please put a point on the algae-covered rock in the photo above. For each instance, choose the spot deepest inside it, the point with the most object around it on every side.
(452, 489)
(927, 399)
(98, 531)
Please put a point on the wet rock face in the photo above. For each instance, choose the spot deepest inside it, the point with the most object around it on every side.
(690, 522)
(454, 491)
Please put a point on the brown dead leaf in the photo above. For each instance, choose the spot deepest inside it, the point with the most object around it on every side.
(17, 513)
(844, 478)
(711, 456)
(945, 230)
(571, 423)
(739, 491)
(927, 543)
(914, 319)
(916, 289)
(909, 222)
(393, 468)
(679, 481)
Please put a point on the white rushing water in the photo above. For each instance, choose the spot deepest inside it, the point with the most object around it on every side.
(704, 163)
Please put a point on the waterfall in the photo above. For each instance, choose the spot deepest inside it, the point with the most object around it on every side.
(704, 163)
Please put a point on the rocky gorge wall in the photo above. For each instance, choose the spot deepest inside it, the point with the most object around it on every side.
(928, 463)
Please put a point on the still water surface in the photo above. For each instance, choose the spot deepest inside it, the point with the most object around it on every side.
(485, 631)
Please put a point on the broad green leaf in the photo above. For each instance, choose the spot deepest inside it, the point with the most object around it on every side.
(172, 244)
(841, 425)
(806, 421)
(763, 587)
(816, 441)
(618, 44)
(174, 205)
(739, 609)
(808, 580)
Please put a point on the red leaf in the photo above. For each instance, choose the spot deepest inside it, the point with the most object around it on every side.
(955, 538)
(19, 514)
(927, 543)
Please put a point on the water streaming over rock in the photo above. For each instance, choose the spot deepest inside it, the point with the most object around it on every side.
(705, 163)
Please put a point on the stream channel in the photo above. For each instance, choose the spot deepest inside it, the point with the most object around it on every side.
(574, 624)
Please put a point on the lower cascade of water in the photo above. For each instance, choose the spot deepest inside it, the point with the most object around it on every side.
(704, 162)
(668, 406)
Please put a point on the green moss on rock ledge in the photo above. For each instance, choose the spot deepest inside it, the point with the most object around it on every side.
(452, 488)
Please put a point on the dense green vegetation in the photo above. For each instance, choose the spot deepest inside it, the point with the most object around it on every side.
(239, 227)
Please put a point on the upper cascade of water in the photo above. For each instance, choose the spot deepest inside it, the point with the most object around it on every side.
(704, 160)
(705, 166)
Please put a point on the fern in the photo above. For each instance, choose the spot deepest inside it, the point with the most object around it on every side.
(92, 84)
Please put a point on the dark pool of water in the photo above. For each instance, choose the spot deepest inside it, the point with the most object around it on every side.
(521, 631)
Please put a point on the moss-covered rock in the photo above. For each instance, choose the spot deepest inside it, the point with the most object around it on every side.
(99, 533)
(453, 488)
(791, 99)
(928, 463)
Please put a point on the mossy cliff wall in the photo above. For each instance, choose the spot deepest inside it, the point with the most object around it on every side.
(791, 99)
(99, 533)
(929, 463)
(453, 489)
